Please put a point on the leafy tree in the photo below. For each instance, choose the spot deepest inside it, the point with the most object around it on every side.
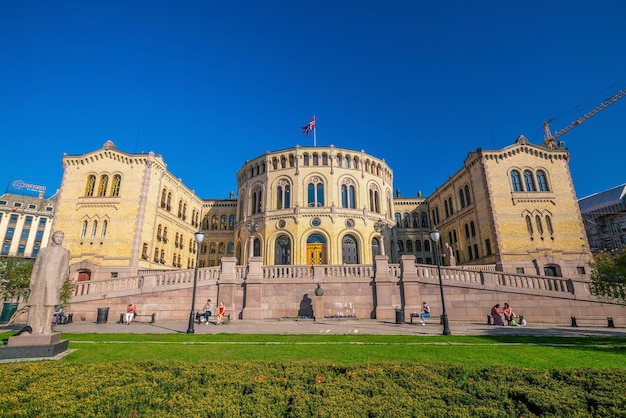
(608, 276)
(14, 277)
(67, 291)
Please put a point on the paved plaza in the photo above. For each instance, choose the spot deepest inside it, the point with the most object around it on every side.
(337, 327)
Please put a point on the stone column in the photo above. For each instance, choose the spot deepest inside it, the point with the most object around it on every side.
(384, 287)
(227, 283)
(412, 297)
(254, 290)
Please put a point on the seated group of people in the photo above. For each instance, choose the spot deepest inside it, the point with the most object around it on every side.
(504, 316)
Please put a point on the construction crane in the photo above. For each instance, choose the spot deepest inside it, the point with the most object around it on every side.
(549, 138)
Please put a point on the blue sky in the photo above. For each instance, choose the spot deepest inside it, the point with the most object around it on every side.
(209, 85)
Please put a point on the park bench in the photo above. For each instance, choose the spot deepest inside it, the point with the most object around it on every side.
(66, 319)
(595, 319)
(149, 318)
(212, 318)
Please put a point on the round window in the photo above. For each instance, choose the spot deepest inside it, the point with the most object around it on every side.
(350, 223)
(316, 222)
(281, 223)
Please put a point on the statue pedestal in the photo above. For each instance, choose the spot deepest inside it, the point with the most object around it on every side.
(33, 346)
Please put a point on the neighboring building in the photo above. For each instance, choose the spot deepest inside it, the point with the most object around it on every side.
(604, 215)
(25, 224)
(513, 208)
(123, 213)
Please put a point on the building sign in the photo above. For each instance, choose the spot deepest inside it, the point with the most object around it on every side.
(19, 184)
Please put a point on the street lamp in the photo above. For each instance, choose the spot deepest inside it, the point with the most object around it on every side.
(199, 237)
(434, 235)
(379, 227)
(252, 227)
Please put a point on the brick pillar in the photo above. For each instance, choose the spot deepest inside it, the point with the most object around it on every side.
(412, 297)
(253, 295)
(226, 287)
(384, 288)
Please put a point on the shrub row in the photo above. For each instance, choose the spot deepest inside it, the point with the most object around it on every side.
(295, 389)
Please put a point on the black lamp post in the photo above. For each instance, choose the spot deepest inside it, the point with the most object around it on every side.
(199, 237)
(434, 235)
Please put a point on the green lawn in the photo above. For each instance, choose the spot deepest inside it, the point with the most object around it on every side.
(224, 375)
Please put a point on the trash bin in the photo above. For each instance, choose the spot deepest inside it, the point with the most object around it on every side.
(8, 309)
(399, 316)
(103, 315)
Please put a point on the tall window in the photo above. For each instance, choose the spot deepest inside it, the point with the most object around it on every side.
(468, 199)
(415, 219)
(462, 198)
(115, 187)
(94, 229)
(529, 225)
(549, 225)
(91, 184)
(105, 225)
(541, 181)
(488, 246)
(398, 219)
(473, 228)
(374, 199)
(418, 245)
(283, 195)
(231, 222)
(257, 202)
(348, 194)
(539, 225)
(529, 182)
(451, 207)
(424, 220)
(515, 181)
(405, 217)
(83, 233)
(223, 222)
(102, 187)
(315, 192)
(163, 198)
(282, 250)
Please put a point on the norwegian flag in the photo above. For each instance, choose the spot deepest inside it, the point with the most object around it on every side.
(307, 128)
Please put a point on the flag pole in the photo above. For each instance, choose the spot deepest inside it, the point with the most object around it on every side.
(314, 132)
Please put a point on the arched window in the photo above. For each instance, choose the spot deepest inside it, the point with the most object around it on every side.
(348, 194)
(355, 163)
(165, 234)
(229, 248)
(468, 199)
(549, 225)
(349, 250)
(316, 159)
(418, 245)
(542, 184)
(516, 181)
(231, 222)
(257, 247)
(426, 245)
(445, 204)
(454, 235)
(223, 222)
(283, 162)
(324, 159)
(346, 161)
(102, 187)
(467, 234)
(94, 229)
(282, 250)
(257, 202)
(451, 207)
(315, 192)
(163, 198)
(90, 185)
(398, 219)
(415, 218)
(529, 182)
(405, 216)
(221, 248)
(275, 163)
(105, 225)
(214, 222)
(169, 201)
(83, 233)
(400, 246)
(529, 225)
(115, 187)
(473, 228)
(306, 159)
(409, 246)
(539, 225)
(374, 199)
(283, 194)
(462, 198)
(212, 248)
(424, 220)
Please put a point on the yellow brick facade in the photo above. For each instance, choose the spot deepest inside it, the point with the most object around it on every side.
(530, 226)
(319, 205)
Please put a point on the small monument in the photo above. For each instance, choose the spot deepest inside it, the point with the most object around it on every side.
(46, 281)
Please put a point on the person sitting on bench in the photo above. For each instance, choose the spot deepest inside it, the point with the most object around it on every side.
(425, 313)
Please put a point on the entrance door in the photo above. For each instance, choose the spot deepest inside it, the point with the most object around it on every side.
(315, 253)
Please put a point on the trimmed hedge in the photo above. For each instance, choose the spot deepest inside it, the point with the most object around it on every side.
(295, 389)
